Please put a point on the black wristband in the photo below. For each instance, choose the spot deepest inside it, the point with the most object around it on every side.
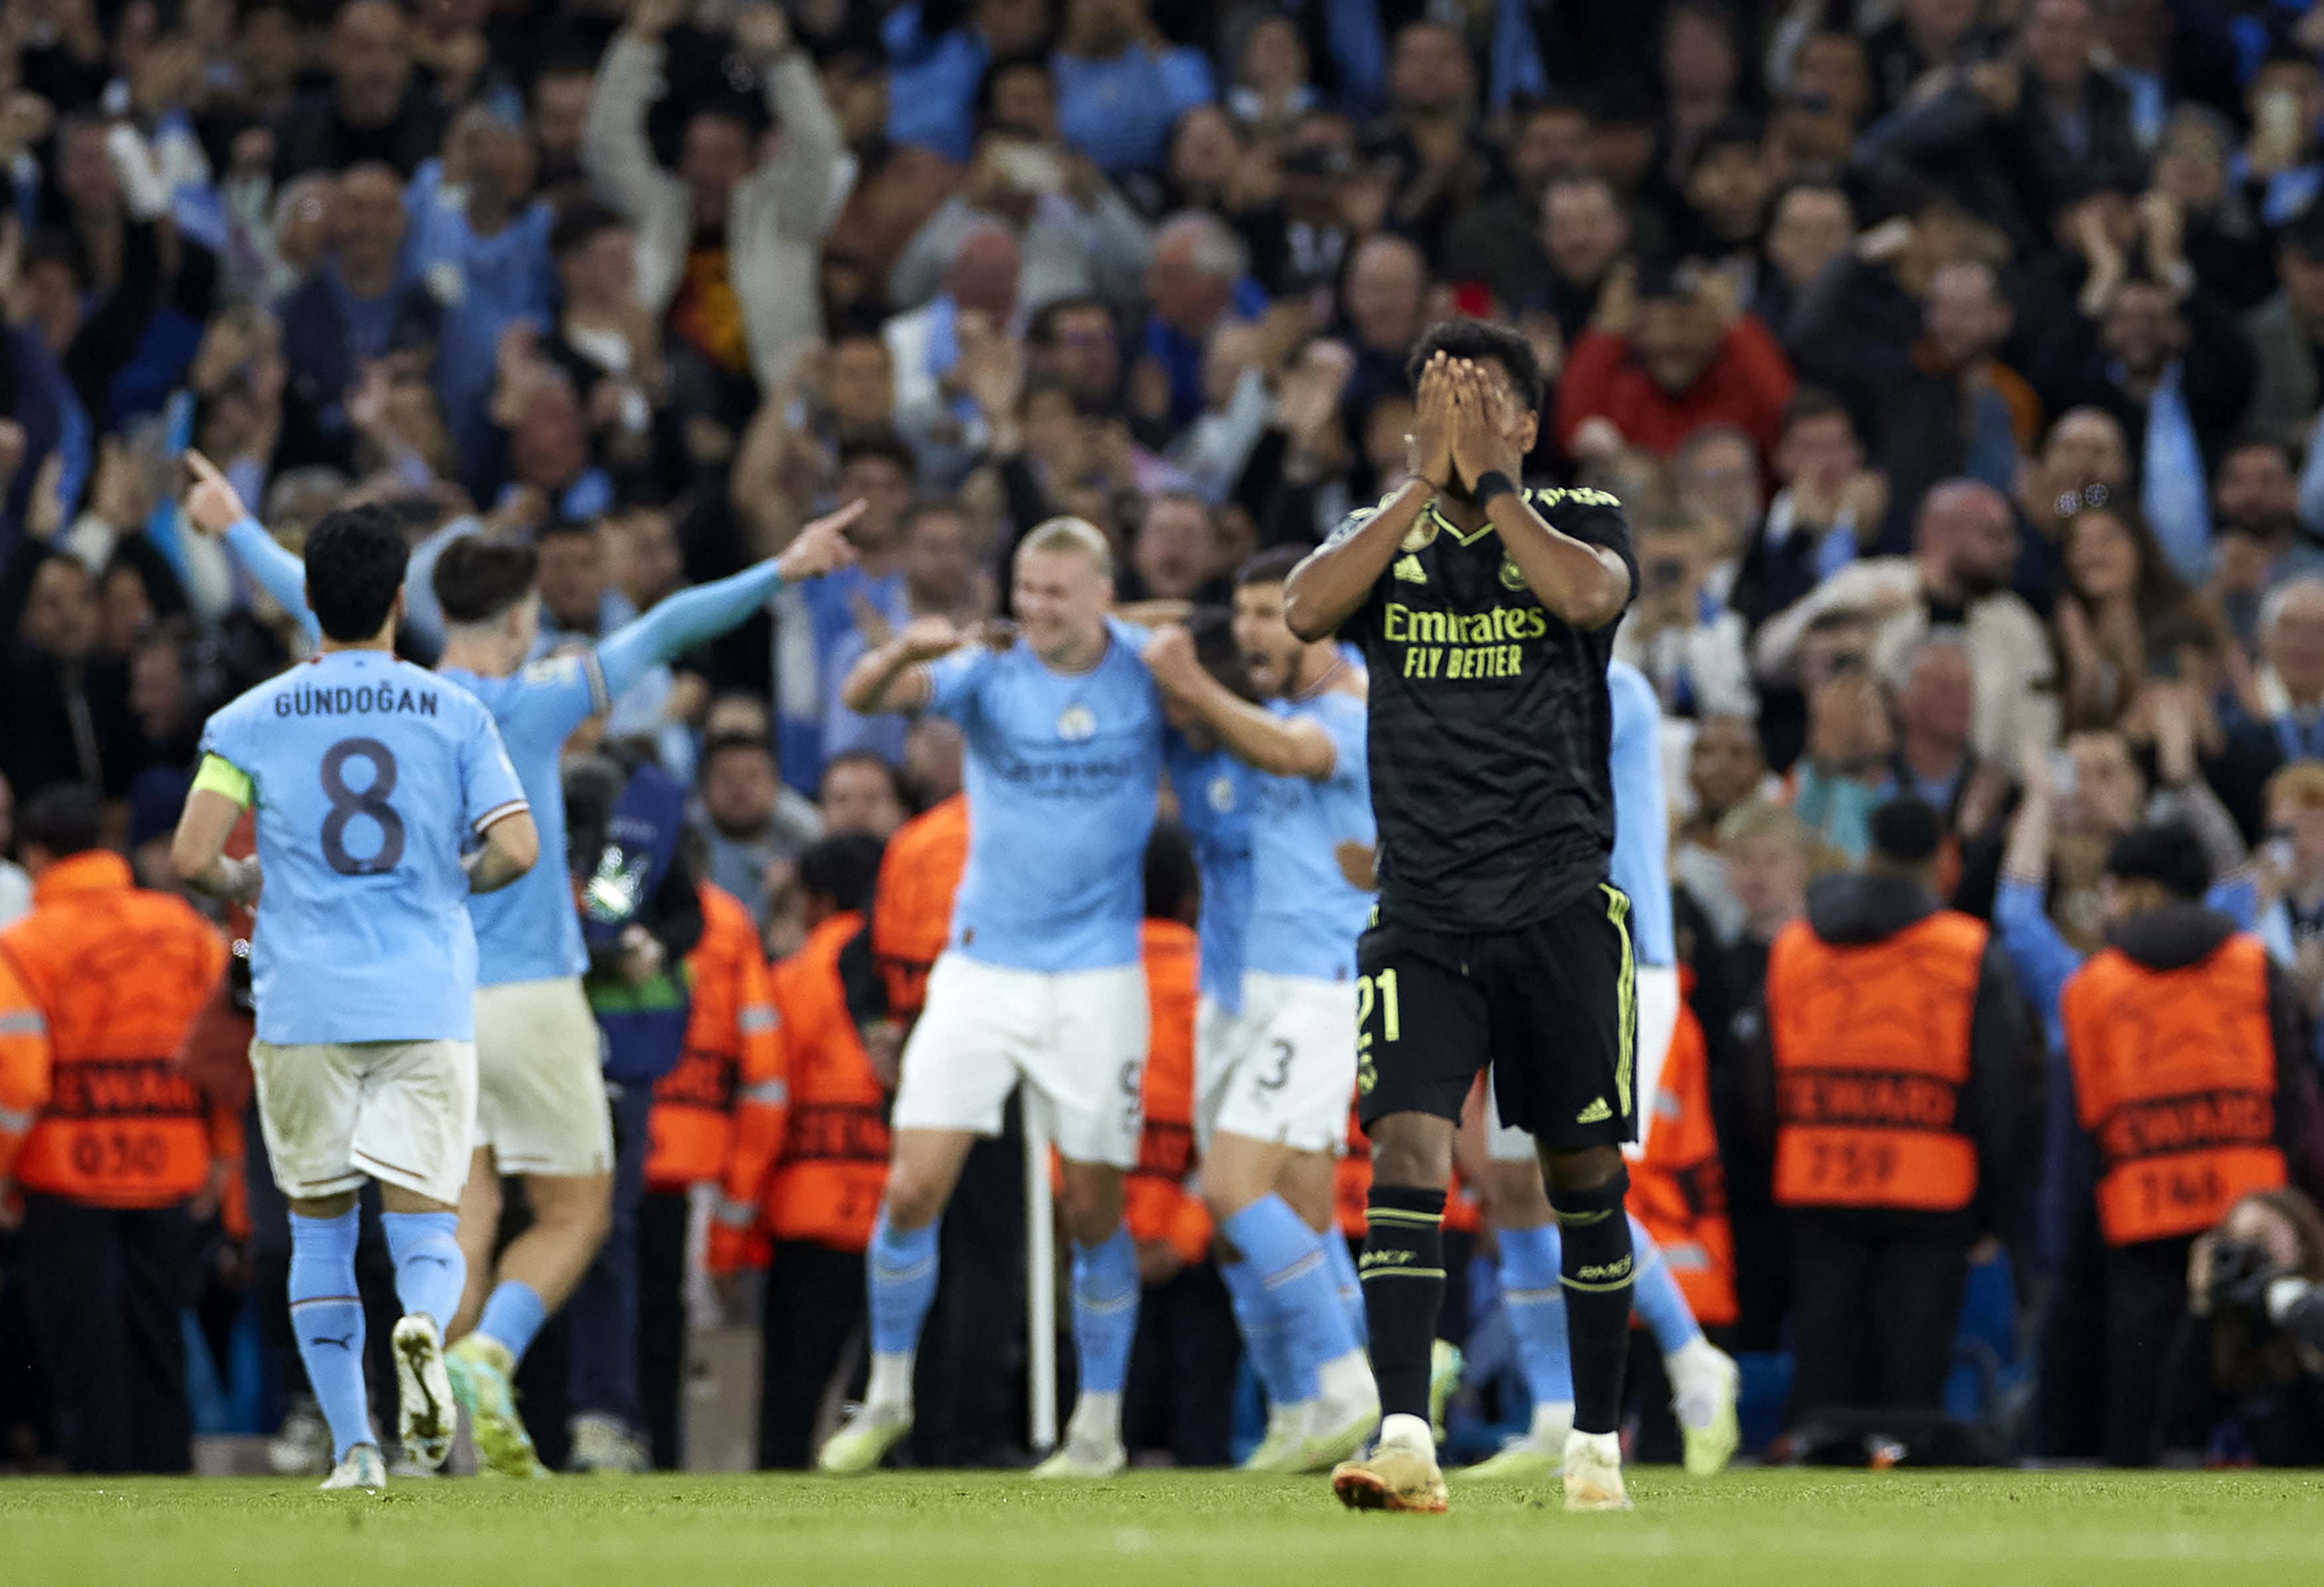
(1490, 485)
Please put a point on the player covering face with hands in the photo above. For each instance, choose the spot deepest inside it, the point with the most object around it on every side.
(541, 1108)
(1486, 615)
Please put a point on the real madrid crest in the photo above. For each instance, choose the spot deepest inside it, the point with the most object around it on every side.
(1076, 724)
(1511, 577)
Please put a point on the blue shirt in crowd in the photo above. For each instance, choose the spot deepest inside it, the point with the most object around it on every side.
(1120, 112)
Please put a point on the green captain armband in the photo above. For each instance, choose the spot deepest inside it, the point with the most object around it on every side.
(224, 776)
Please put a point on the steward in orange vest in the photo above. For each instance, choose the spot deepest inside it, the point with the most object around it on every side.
(2188, 1052)
(912, 916)
(810, 1180)
(730, 1069)
(107, 1137)
(1901, 1064)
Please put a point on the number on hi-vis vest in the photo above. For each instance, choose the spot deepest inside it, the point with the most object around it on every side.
(1850, 1164)
(2163, 1186)
(119, 1154)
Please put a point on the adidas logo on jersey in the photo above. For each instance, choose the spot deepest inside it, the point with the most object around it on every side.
(1597, 1112)
(1408, 568)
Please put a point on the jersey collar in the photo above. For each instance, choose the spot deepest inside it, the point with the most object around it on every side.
(1469, 538)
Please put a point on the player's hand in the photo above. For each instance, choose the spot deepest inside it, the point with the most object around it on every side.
(1481, 443)
(1430, 444)
(213, 506)
(925, 639)
(1170, 657)
(821, 547)
(1358, 863)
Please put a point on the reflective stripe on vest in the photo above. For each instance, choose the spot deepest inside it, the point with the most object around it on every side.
(1872, 1049)
(128, 1132)
(2174, 1078)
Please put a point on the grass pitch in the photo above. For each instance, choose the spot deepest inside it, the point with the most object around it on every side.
(1996, 1529)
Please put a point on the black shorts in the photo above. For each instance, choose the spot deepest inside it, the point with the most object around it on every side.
(1551, 1006)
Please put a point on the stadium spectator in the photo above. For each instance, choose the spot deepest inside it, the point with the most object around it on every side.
(1120, 88)
(1668, 352)
(1497, 238)
(375, 107)
(2252, 1287)
(751, 826)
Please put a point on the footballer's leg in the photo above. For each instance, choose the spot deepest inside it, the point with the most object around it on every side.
(310, 1096)
(1086, 1071)
(1534, 1303)
(1705, 1382)
(900, 1275)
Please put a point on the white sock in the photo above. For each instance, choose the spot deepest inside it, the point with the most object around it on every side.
(1553, 1419)
(1604, 1449)
(1347, 1380)
(891, 1380)
(1407, 1432)
(1097, 1420)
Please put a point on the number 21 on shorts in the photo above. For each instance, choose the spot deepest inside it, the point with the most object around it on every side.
(1374, 993)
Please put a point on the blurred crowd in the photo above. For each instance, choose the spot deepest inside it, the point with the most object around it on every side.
(1958, 362)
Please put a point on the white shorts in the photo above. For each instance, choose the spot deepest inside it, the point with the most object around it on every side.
(336, 1113)
(1284, 1070)
(1657, 1022)
(540, 1091)
(1077, 1038)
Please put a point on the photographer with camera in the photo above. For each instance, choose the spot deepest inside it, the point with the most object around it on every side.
(2256, 1289)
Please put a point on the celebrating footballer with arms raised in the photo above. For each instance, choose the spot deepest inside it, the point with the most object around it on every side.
(1486, 613)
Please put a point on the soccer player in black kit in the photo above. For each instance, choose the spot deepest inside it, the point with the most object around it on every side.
(1486, 613)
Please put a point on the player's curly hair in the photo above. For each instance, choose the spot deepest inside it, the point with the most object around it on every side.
(1485, 341)
(354, 566)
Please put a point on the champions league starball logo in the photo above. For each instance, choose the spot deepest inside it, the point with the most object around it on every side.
(1076, 724)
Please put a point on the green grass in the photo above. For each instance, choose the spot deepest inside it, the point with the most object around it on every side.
(1996, 1529)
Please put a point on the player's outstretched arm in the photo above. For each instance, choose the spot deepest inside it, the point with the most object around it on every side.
(197, 849)
(695, 616)
(215, 508)
(1278, 746)
(1586, 585)
(889, 678)
(512, 844)
(1334, 583)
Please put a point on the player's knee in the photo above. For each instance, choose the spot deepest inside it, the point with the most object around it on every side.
(1091, 1207)
(1577, 1173)
(914, 1199)
(1413, 1151)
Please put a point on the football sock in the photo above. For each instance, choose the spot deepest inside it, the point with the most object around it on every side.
(901, 1267)
(1536, 1303)
(1290, 1259)
(1595, 1271)
(1105, 1322)
(513, 1313)
(429, 1271)
(328, 1318)
(1263, 1332)
(1404, 1288)
(1343, 1263)
(1661, 1304)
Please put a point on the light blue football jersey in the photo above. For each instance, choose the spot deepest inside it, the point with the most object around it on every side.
(529, 930)
(1215, 795)
(370, 776)
(1062, 776)
(1641, 863)
(1305, 915)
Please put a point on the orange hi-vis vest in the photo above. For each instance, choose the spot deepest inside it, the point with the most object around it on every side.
(2174, 1076)
(1678, 1189)
(1155, 1201)
(912, 916)
(107, 978)
(1872, 1051)
(731, 1029)
(822, 1177)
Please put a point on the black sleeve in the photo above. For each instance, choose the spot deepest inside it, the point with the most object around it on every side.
(2004, 1077)
(860, 979)
(1594, 518)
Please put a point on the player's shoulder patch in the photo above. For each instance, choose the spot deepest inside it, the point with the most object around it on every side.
(550, 670)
